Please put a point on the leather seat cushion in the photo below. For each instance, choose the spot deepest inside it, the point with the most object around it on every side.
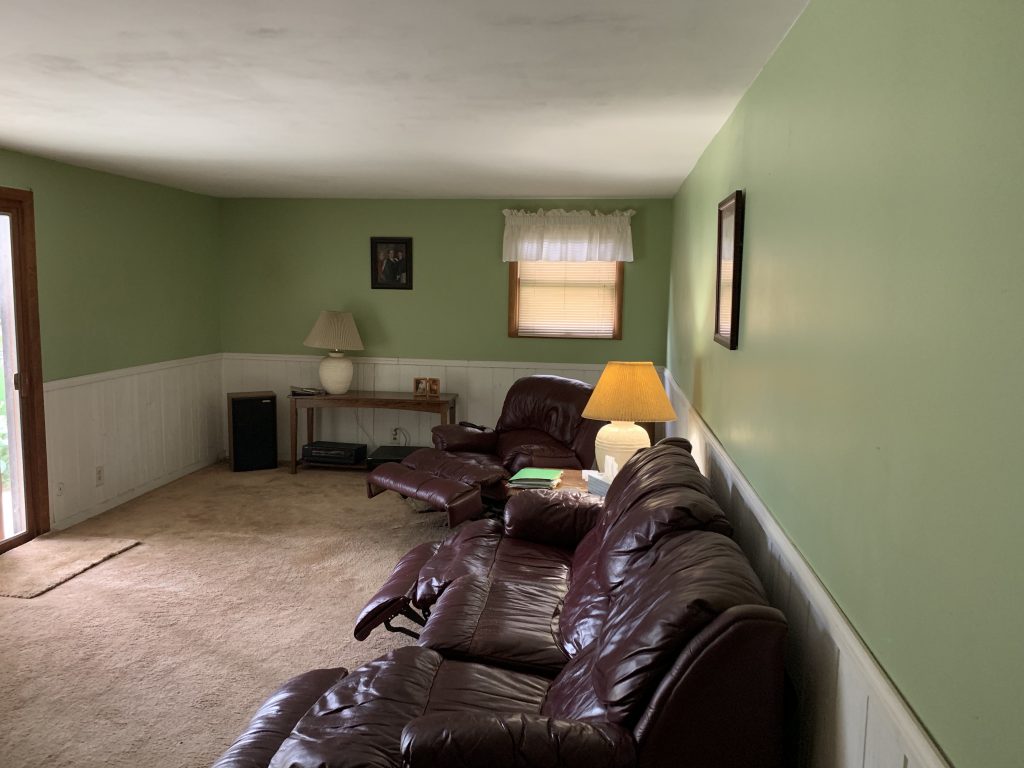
(358, 722)
(480, 548)
(528, 441)
(508, 623)
(468, 468)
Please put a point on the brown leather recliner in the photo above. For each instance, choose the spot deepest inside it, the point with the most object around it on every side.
(632, 633)
(548, 536)
(541, 425)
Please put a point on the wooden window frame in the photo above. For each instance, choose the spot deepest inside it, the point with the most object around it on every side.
(513, 307)
(18, 205)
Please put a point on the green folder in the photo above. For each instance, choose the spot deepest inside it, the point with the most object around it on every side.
(533, 473)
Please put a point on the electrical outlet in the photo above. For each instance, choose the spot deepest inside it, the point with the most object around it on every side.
(394, 435)
(99, 475)
(60, 489)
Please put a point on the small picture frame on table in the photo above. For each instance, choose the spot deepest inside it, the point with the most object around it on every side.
(433, 387)
(730, 259)
(420, 386)
(391, 262)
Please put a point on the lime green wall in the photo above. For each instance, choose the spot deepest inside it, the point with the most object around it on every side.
(128, 271)
(285, 260)
(875, 399)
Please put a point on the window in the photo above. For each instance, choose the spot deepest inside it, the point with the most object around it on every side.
(565, 299)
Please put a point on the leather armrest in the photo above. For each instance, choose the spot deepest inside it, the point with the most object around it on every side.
(274, 720)
(456, 437)
(556, 518)
(396, 593)
(478, 740)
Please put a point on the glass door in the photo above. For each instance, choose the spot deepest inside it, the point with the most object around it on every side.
(12, 482)
(24, 505)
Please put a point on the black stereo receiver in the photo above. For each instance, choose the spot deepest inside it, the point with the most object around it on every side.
(325, 452)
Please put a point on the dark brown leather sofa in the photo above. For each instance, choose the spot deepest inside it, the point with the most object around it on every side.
(572, 633)
(541, 425)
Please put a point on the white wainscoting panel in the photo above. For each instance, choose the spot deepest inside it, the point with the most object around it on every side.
(152, 424)
(145, 426)
(850, 714)
(480, 385)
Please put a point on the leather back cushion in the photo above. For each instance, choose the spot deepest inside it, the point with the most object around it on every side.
(551, 404)
(660, 491)
(668, 596)
(586, 604)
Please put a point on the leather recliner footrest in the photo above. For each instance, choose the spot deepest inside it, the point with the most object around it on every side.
(460, 500)
(395, 597)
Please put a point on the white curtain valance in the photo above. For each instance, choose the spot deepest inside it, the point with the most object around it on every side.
(567, 236)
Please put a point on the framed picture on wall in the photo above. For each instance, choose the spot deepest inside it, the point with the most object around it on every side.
(730, 259)
(391, 262)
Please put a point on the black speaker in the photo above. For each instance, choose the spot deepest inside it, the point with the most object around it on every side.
(252, 430)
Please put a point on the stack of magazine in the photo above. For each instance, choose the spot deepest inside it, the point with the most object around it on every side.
(536, 478)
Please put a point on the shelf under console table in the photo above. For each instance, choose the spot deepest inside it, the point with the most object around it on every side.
(443, 405)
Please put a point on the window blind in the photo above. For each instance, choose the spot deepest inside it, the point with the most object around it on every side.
(568, 298)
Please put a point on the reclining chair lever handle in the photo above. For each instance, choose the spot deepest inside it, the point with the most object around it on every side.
(400, 630)
(409, 613)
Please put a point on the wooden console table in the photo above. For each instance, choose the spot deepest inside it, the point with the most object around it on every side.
(443, 405)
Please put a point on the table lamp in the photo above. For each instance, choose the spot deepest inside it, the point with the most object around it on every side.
(335, 331)
(626, 393)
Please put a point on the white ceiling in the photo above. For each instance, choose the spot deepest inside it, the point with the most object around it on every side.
(382, 98)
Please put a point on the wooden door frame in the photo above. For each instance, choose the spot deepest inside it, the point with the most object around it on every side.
(17, 203)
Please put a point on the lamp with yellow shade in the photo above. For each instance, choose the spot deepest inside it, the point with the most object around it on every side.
(625, 394)
(335, 331)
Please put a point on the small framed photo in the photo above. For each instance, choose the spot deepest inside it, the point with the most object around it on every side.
(391, 262)
(420, 386)
(434, 387)
(730, 259)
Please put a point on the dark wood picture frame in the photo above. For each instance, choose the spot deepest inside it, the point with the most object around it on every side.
(391, 263)
(730, 261)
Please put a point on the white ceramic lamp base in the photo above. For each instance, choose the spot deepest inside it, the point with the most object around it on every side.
(336, 373)
(620, 440)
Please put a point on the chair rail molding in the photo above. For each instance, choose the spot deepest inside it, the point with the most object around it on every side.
(850, 715)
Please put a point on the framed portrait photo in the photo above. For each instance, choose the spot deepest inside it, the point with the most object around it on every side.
(391, 262)
(730, 259)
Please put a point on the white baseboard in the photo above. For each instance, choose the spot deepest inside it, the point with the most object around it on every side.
(851, 715)
(152, 485)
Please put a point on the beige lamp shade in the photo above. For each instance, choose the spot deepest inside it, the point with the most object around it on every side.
(629, 392)
(625, 393)
(334, 330)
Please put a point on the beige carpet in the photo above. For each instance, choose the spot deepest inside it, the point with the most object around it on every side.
(49, 560)
(159, 656)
